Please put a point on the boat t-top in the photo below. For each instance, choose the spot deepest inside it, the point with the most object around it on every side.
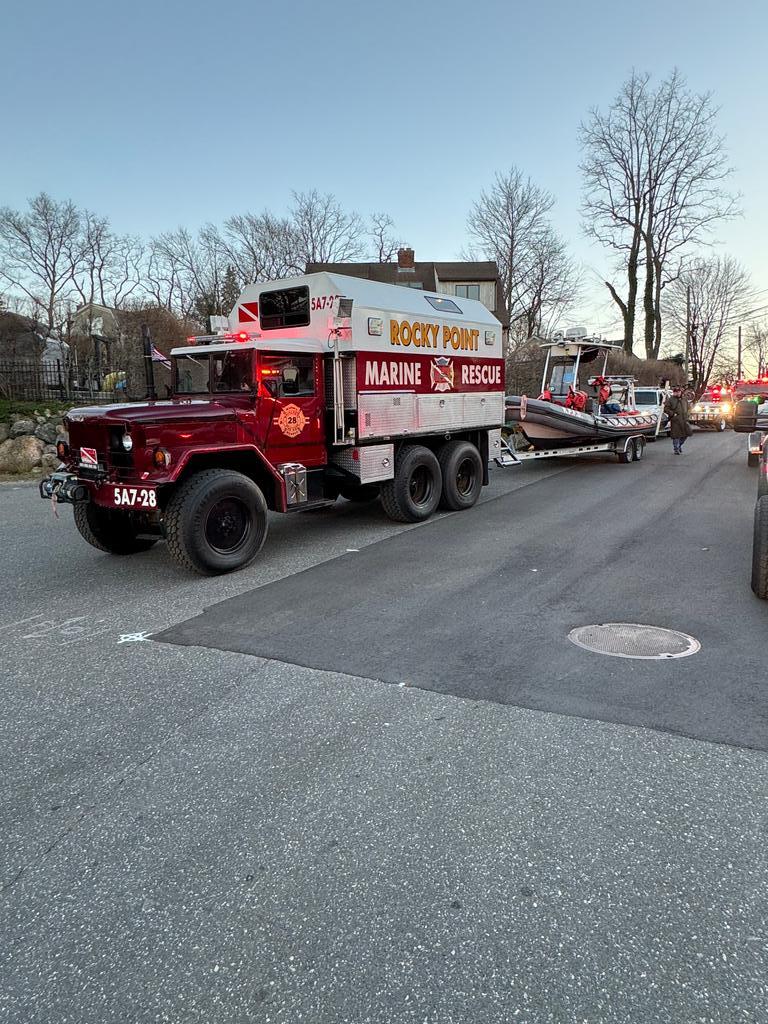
(578, 405)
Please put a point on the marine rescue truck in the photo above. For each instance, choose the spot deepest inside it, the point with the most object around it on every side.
(323, 386)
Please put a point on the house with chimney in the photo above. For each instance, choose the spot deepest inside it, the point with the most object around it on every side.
(466, 279)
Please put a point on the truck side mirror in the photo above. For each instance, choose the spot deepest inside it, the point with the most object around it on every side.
(290, 378)
(744, 417)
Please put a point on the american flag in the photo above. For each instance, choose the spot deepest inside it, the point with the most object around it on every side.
(158, 357)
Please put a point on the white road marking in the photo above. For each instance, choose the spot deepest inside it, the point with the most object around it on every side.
(20, 622)
(134, 638)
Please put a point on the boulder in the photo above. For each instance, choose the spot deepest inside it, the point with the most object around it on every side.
(50, 461)
(4, 428)
(20, 454)
(49, 449)
(46, 432)
(22, 426)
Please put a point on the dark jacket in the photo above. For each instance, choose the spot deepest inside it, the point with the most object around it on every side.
(677, 410)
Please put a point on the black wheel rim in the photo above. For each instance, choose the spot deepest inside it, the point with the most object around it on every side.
(465, 477)
(421, 486)
(227, 525)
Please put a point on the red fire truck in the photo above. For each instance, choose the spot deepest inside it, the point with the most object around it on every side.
(748, 416)
(324, 385)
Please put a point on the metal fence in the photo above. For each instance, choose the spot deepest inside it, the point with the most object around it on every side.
(27, 380)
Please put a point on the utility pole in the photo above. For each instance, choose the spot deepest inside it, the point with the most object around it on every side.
(149, 368)
(738, 360)
(687, 330)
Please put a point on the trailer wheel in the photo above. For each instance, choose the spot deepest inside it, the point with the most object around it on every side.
(721, 425)
(760, 550)
(360, 493)
(462, 470)
(113, 532)
(753, 459)
(639, 448)
(628, 455)
(216, 522)
(414, 492)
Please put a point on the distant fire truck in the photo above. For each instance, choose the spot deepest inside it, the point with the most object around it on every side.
(324, 385)
(713, 410)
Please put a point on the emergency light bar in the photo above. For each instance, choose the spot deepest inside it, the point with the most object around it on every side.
(218, 339)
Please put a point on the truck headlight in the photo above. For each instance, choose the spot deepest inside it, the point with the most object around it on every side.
(127, 442)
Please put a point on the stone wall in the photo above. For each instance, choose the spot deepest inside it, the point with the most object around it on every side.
(28, 443)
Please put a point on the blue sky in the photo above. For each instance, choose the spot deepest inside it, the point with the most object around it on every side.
(166, 113)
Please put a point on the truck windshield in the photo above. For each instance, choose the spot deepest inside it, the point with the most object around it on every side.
(218, 372)
(646, 398)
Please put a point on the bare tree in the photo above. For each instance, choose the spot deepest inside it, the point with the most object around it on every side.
(756, 345)
(191, 271)
(385, 243)
(105, 268)
(555, 284)
(509, 224)
(36, 252)
(261, 247)
(654, 168)
(323, 232)
(613, 169)
(719, 287)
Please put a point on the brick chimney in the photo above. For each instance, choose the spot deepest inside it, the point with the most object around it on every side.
(405, 259)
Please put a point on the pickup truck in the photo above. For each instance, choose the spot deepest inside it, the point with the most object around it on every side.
(712, 411)
(752, 418)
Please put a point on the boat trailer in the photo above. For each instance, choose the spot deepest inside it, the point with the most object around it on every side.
(626, 449)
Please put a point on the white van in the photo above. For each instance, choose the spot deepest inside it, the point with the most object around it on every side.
(650, 399)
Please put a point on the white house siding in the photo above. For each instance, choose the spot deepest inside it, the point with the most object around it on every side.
(487, 291)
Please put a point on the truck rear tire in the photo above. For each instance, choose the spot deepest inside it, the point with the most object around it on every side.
(216, 522)
(760, 550)
(462, 470)
(414, 492)
(108, 530)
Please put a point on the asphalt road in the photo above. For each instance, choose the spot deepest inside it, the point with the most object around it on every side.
(190, 833)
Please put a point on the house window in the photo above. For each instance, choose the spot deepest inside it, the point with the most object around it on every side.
(468, 291)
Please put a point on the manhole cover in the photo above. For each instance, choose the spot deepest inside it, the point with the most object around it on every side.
(633, 640)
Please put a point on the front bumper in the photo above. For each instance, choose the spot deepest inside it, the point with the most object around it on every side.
(709, 416)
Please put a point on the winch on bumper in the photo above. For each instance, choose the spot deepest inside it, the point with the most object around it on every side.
(64, 488)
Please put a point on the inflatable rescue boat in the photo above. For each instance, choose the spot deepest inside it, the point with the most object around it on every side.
(566, 413)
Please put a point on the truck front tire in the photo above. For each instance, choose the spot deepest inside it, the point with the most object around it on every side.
(462, 470)
(216, 522)
(414, 492)
(108, 530)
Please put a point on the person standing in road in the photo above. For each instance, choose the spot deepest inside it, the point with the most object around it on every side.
(676, 408)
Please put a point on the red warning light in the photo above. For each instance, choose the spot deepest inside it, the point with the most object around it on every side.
(242, 336)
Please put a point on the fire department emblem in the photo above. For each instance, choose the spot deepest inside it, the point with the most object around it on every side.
(441, 374)
(292, 420)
